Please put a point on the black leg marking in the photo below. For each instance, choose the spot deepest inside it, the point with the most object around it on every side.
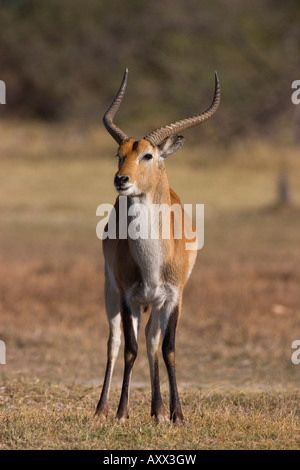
(168, 350)
(157, 407)
(153, 337)
(130, 353)
(102, 407)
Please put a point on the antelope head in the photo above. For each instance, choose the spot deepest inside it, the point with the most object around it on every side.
(142, 161)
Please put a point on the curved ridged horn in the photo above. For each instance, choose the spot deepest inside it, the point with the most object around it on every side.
(159, 135)
(108, 117)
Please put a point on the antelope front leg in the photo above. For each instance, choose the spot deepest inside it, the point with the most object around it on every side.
(130, 327)
(153, 338)
(114, 340)
(112, 352)
(168, 350)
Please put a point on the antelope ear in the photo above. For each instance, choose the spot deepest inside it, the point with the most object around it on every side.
(170, 145)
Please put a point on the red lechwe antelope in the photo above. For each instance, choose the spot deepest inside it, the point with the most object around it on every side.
(146, 275)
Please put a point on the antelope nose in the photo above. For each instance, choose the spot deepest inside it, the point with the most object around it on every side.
(121, 180)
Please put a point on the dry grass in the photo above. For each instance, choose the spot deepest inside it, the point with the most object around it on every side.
(241, 306)
(44, 415)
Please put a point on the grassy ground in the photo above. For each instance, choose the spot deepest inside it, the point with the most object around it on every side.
(241, 308)
(45, 415)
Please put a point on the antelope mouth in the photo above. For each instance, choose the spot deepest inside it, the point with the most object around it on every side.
(124, 190)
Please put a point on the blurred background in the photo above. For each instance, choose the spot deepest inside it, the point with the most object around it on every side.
(62, 63)
(63, 60)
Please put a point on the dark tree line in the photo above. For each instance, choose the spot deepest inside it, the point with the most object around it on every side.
(64, 60)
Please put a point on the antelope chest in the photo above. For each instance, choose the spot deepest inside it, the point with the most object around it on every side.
(150, 287)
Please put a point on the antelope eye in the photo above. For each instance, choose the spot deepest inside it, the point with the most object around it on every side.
(147, 156)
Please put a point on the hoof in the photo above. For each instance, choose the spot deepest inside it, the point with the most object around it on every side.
(158, 411)
(122, 415)
(177, 417)
(101, 412)
(161, 419)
